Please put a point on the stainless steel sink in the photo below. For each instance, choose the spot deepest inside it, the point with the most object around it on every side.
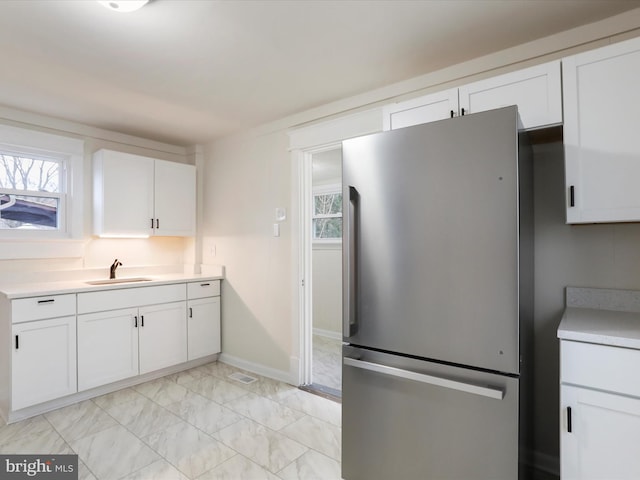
(111, 281)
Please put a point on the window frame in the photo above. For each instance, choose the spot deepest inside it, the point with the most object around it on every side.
(324, 190)
(61, 230)
(27, 243)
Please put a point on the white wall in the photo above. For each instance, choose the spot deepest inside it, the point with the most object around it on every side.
(246, 177)
(327, 288)
(95, 252)
(245, 181)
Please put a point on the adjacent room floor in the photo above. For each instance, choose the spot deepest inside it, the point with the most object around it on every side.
(327, 363)
(194, 424)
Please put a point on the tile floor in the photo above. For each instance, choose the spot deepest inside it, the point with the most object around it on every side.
(197, 424)
(327, 362)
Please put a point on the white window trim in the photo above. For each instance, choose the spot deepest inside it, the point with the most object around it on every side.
(323, 190)
(68, 240)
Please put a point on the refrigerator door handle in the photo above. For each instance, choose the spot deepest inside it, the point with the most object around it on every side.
(489, 392)
(350, 262)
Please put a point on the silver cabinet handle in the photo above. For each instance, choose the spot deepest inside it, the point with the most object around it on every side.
(350, 261)
(496, 393)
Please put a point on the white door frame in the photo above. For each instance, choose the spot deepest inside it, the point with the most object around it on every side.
(303, 143)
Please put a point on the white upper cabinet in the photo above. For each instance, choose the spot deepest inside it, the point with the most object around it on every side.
(535, 90)
(429, 108)
(602, 152)
(140, 196)
(175, 199)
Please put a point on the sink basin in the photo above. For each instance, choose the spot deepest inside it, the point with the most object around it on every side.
(111, 281)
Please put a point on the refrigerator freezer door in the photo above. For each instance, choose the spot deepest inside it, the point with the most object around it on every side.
(426, 420)
(431, 240)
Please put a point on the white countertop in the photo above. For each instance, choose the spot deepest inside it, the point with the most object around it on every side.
(605, 327)
(36, 289)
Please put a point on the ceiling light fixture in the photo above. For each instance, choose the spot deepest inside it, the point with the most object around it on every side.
(123, 6)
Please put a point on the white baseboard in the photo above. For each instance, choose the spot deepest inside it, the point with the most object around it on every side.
(269, 372)
(328, 333)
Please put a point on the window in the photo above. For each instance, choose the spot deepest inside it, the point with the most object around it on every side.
(41, 194)
(327, 214)
(32, 192)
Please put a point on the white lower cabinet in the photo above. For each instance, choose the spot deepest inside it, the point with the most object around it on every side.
(59, 345)
(599, 412)
(203, 305)
(107, 347)
(204, 327)
(119, 344)
(162, 336)
(600, 435)
(43, 361)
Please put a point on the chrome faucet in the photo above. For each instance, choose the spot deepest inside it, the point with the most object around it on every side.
(112, 270)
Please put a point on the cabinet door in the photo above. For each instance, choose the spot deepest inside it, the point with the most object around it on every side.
(602, 152)
(43, 361)
(107, 347)
(429, 108)
(163, 336)
(123, 194)
(175, 199)
(203, 327)
(535, 90)
(603, 438)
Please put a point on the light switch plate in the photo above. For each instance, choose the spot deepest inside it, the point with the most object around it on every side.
(276, 229)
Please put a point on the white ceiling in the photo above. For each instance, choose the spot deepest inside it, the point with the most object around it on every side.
(185, 71)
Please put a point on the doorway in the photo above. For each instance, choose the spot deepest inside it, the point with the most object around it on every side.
(326, 271)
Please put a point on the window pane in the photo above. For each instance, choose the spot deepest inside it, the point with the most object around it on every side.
(328, 204)
(327, 228)
(24, 173)
(23, 212)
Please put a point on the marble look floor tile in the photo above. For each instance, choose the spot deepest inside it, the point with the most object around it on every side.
(223, 370)
(160, 470)
(312, 466)
(32, 436)
(203, 413)
(142, 416)
(316, 434)
(192, 451)
(115, 398)
(267, 448)
(267, 412)
(238, 467)
(162, 391)
(84, 473)
(215, 389)
(79, 420)
(269, 388)
(188, 375)
(113, 453)
(314, 405)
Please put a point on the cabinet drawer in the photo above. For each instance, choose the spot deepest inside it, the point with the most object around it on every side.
(37, 308)
(601, 367)
(130, 297)
(208, 288)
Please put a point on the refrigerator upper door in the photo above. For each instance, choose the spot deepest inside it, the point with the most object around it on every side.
(431, 240)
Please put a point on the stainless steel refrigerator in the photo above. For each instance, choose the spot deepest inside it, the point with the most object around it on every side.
(438, 300)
